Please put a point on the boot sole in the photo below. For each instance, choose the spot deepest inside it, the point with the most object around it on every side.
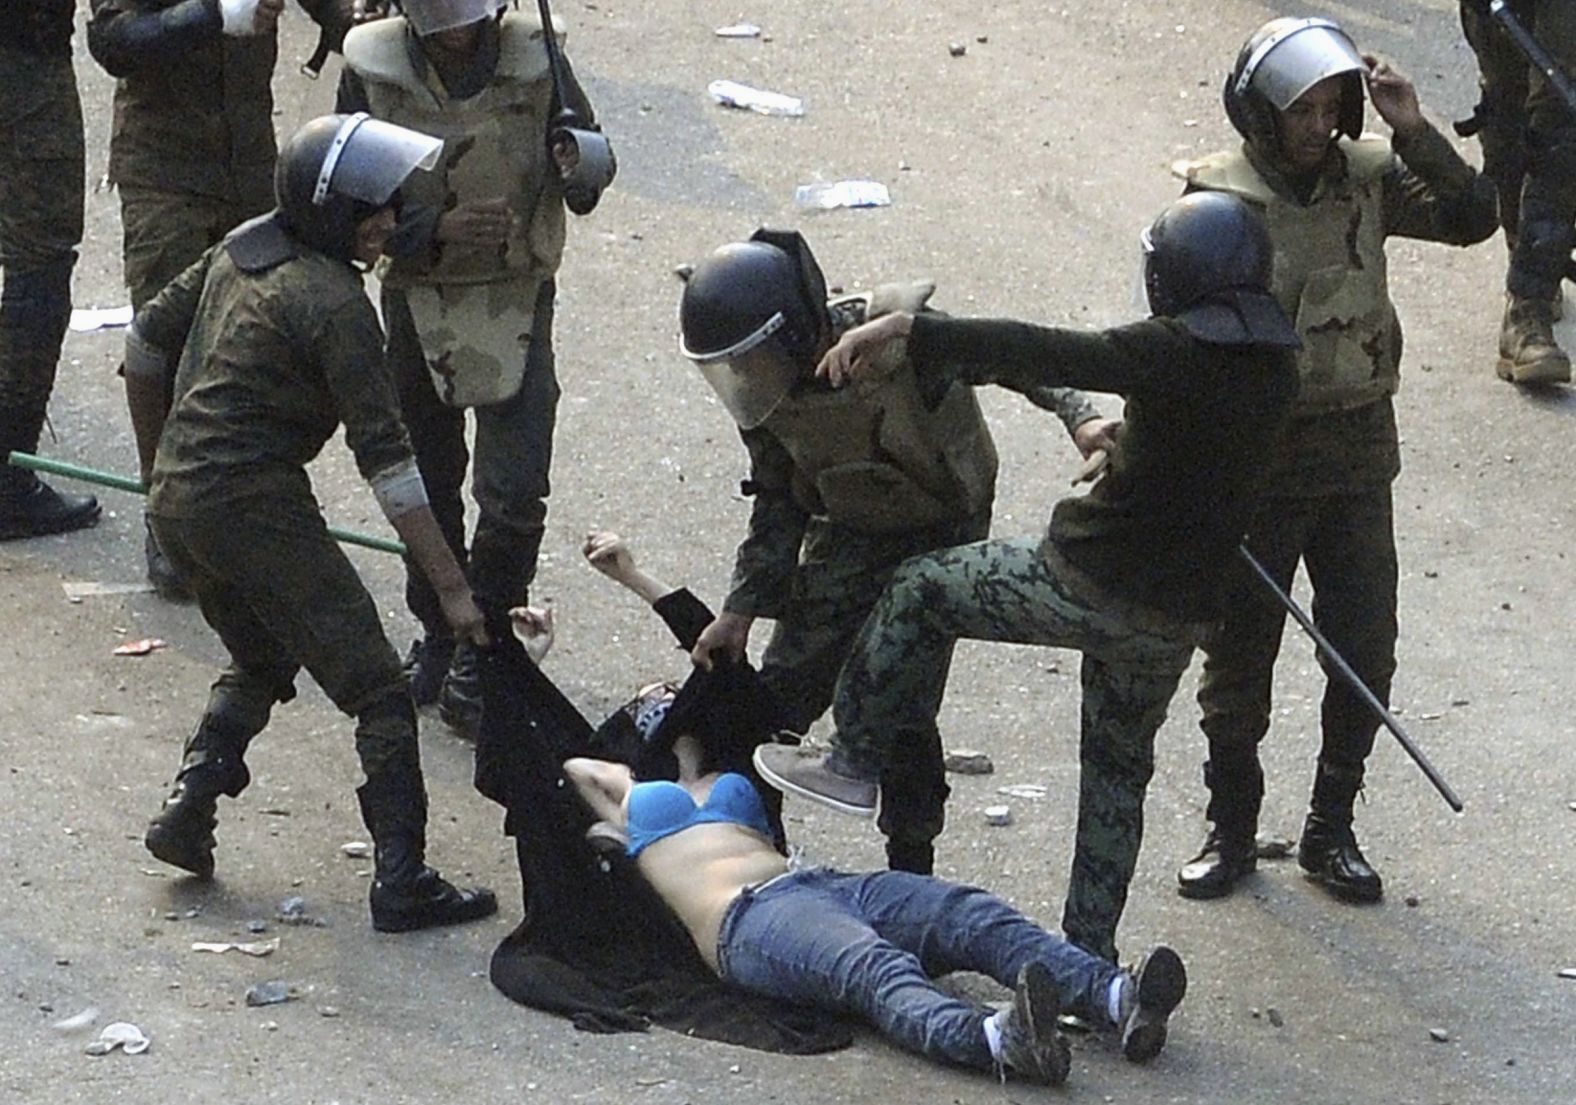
(169, 848)
(12, 532)
(479, 907)
(1357, 895)
(788, 786)
(1162, 984)
(1506, 369)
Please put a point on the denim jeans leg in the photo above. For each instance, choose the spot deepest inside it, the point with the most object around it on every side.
(951, 927)
(802, 939)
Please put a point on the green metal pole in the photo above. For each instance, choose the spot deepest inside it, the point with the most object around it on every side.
(126, 483)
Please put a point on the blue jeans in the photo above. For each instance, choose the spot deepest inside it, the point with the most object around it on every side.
(871, 944)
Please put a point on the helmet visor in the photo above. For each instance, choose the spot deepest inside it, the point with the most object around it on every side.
(752, 383)
(1286, 64)
(370, 159)
(428, 17)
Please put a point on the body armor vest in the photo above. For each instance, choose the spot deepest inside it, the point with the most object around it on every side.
(1330, 272)
(871, 456)
(473, 306)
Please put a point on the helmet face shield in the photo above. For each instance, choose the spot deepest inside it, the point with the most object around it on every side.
(369, 159)
(751, 383)
(428, 17)
(1296, 57)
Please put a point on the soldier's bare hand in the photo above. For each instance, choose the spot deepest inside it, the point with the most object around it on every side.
(1095, 435)
(463, 616)
(365, 11)
(728, 636)
(566, 155)
(852, 357)
(1394, 98)
(482, 223)
(609, 554)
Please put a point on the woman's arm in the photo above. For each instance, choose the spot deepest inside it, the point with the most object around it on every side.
(604, 785)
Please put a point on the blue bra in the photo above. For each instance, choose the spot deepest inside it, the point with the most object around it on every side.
(659, 809)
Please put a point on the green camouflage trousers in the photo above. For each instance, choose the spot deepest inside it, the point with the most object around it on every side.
(282, 596)
(164, 232)
(889, 692)
(840, 577)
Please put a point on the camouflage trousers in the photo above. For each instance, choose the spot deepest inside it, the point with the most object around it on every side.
(41, 182)
(282, 596)
(840, 576)
(1005, 590)
(1529, 139)
(162, 233)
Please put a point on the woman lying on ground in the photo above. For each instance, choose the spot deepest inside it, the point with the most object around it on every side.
(867, 944)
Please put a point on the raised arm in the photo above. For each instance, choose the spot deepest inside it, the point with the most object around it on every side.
(604, 785)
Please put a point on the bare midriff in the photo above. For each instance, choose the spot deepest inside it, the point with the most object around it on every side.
(702, 869)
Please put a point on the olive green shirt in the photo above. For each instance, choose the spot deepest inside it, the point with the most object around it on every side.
(273, 362)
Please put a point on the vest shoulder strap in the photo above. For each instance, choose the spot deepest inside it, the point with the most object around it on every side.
(1368, 159)
(522, 52)
(1227, 171)
(377, 52)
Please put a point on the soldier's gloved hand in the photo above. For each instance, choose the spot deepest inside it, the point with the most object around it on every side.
(727, 636)
(463, 616)
(481, 223)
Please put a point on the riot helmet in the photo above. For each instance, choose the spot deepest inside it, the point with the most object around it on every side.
(1208, 264)
(339, 169)
(1280, 62)
(753, 318)
(429, 17)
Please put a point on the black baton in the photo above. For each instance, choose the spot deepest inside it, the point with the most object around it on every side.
(1351, 678)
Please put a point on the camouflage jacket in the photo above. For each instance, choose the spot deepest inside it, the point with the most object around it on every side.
(271, 364)
(1161, 526)
(193, 106)
(768, 557)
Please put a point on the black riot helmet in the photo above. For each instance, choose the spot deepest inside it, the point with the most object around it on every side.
(753, 318)
(337, 170)
(1281, 61)
(1208, 264)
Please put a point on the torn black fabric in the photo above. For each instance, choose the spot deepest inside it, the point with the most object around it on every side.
(597, 945)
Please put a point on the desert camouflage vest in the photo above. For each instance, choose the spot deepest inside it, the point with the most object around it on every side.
(1330, 272)
(871, 456)
(473, 306)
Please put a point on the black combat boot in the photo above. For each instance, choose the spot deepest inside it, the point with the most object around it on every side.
(29, 507)
(182, 833)
(460, 700)
(1230, 851)
(427, 664)
(407, 894)
(1328, 850)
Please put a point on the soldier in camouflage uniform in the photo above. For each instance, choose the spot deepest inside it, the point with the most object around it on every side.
(1128, 574)
(1529, 151)
(277, 346)
(192, 146)
(846, 484)
(41, 170)
(1330, 199)
(468, 292)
